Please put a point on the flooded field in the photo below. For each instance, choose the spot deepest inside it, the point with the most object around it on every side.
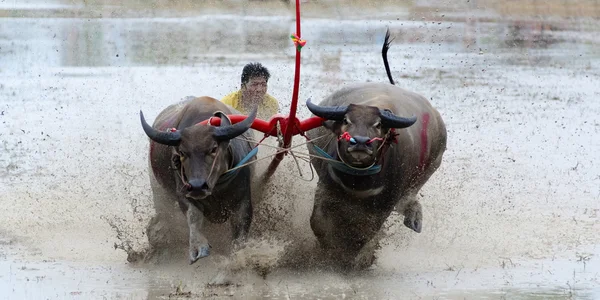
(512, 213)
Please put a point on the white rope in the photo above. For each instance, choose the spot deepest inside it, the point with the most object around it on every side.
(283, 150)
(279, 135)
(312, 176)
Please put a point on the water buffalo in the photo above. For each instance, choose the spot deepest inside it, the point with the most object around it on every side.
(383, 144)
(190, 163)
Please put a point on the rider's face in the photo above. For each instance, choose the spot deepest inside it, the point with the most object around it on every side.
(255, 89)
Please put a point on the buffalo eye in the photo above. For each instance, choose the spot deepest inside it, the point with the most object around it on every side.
(346, 121)
(377, 125)
(214, 149)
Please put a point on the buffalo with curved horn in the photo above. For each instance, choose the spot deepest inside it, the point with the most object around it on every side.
(382, 143)
(190, 164)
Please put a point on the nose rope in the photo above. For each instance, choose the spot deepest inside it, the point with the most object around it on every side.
(212, 167)
(346, 136)
(389, 138)
(337, 146)
(186, 185)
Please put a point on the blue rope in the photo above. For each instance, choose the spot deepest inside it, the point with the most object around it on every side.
(229, 174)
(342, 167)
(250, 154)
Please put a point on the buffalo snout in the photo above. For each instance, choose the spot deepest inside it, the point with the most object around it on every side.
(362, 141)
(198, 185)
(198, 189)
(360, 151)
(360, 144)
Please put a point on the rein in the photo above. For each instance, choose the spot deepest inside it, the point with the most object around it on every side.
(212, 167)
(181, 173)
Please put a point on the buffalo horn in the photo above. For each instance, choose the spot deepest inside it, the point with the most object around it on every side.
(389, 120)
(161, 137)
(225, 133)
(224, 119)
(334, 113)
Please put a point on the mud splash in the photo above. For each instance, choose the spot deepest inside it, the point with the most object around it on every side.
(512, 212)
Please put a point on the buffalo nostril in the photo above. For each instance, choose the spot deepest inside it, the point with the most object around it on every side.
(197, 185)
(361, 140)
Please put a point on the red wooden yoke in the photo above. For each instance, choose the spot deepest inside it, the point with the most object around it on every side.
(270, 127)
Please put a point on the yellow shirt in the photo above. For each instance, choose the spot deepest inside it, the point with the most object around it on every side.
(266, 109)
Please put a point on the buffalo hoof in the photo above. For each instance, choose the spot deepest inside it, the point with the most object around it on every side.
(197, 253)
(413, 217)
(414, 225)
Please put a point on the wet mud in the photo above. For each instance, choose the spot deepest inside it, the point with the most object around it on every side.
(512, 213)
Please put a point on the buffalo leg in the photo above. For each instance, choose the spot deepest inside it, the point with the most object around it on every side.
(199, 246)
(321, 221)
(341, 228)
(164, 229)
(240, 221)
(413, 216)
(409, 206)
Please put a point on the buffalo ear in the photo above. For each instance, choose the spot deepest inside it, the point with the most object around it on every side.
(334, 126)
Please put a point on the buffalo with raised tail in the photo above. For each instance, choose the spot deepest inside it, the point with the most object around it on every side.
(191, 164)
(379, 146)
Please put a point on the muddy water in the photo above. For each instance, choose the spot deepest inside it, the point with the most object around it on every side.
(513, 213)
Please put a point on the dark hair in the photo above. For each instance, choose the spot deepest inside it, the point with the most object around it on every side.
(254, 70)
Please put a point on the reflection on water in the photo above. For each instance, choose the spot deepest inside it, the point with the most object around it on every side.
(84, 45)
(183, 41)
(97, 42)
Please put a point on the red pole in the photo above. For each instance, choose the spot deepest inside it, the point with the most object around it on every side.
(287, 138)
(288, 132)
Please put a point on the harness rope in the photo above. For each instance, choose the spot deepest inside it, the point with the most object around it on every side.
(321, 154)
(284, 150)
(342, 166)
(185, 185)
(212, 167)
(279, 150)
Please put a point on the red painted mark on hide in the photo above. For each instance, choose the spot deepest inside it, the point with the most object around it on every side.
(424, 141)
